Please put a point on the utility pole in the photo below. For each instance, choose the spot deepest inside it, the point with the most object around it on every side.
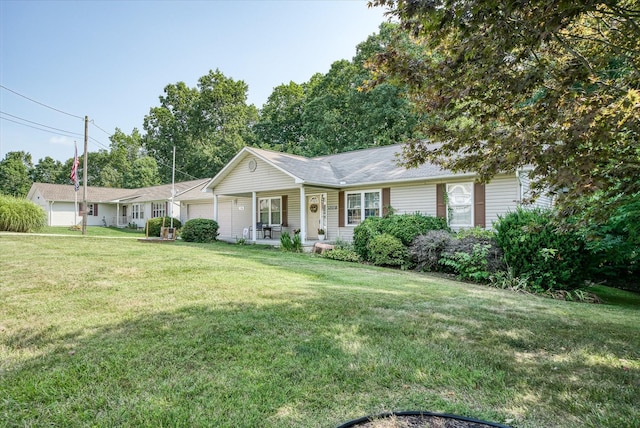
(84, 175)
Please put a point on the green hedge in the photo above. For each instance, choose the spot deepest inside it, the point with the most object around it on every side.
(20, 215)
(199, 230)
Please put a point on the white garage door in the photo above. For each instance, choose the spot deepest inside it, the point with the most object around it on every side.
(200, 211)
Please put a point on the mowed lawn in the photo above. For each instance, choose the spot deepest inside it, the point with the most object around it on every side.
(115, 332)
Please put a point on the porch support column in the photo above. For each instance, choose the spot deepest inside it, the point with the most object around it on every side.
(215, 207)
(303, 215)
(254, 215)
(117, 214)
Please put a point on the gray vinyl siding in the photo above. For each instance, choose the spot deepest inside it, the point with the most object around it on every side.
(502, 195)
(409, 199)
(543, 201)
(264, 178)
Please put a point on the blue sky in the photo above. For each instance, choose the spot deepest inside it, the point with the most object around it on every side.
(110, 60)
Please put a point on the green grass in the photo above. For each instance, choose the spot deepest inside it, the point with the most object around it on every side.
(111, 332)
(94, 231)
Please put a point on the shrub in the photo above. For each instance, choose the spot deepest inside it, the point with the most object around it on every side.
(154, 225)
(387, 250)
(425, 250)
(535, 248)
(20, 215)
(614, 245)
(199, 230)
(363, 233)
(342, 254)
(407, 226)
(466, 243)
(469, 265)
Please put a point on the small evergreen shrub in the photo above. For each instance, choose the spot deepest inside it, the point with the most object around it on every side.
(20, 215)
(199, 230)
(535, 248)
(154, 225)
(387, 250)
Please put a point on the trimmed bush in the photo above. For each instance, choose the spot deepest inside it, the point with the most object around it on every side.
(154, 225)
(387, 250)
(535, 248)
(199, 230)
(20, 215)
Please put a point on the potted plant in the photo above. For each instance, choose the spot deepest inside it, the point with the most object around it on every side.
(321, 234)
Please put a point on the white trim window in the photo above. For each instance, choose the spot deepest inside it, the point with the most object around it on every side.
(460, 205)
(137, 212)
(158, 209)
(270, 211)
(362, 205)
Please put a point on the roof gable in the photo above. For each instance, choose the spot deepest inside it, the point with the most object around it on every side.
(356, 168)
(67, 193)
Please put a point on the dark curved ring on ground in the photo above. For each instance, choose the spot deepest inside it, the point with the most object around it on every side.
(421, 419)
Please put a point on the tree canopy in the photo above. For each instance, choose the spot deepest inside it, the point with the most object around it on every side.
(207, 124)
(547, 83)
(331, 113)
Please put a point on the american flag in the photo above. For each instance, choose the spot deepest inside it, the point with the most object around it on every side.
(74, 170)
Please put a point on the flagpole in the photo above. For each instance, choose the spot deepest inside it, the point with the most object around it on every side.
(173, 184)
(84, 175)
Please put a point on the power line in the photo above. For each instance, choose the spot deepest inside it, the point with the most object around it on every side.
(36, 123)
(94, 124)
(42, 104)
(64, 134)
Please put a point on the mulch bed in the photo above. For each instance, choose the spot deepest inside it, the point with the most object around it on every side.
(419, 421)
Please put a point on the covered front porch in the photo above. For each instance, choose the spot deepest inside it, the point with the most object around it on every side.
(262, 217)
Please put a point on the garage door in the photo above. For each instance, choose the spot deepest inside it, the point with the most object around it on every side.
(200, 211)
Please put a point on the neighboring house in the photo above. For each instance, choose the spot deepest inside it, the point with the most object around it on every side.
(112, 207)
(337, 192)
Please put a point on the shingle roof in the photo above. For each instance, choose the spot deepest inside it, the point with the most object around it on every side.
(66, 193)
(374, 165)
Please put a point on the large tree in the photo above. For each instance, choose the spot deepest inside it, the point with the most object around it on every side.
(331, 113)
(207, 125)
(49, 170)
(15, 174)
(550, 83)
(280, 124)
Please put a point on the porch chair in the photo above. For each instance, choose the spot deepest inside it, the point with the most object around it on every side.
(258, 229)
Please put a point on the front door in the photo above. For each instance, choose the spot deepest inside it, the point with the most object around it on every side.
(315, 214)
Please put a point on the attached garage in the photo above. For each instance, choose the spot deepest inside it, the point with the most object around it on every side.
(200, 210)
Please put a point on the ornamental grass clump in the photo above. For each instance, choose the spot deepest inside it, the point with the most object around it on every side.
(20, 215)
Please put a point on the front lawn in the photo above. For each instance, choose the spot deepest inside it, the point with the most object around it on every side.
(111, 332)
